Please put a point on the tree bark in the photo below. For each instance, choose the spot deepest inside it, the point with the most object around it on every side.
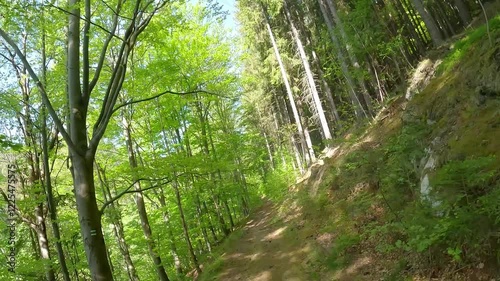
(141, 206)
(185, 228)
(310, 78)
(82, 159)
(306, 142)
(463, 12)
(358, 109)
(43, 242)
(430, 23)
(118, 227)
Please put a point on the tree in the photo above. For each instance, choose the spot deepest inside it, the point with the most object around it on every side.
(82, 150)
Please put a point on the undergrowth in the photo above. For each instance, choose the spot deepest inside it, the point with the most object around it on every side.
(378, 201)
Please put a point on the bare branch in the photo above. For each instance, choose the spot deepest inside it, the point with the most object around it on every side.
(117, 11)
(164, 93)
(127, 190)
(87, 21)
(104, 50)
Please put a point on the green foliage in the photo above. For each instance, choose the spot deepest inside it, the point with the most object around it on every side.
(463, 47)
(340, 253)
(276, 184)
(462, 225)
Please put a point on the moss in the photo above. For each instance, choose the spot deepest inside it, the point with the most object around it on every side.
(463, 47)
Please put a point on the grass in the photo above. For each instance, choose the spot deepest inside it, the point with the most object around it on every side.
(464, 45)
(369, 200)
(375, 200)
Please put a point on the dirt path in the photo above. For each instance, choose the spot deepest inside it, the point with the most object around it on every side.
(265, 251)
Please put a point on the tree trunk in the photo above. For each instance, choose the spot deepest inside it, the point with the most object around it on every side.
(185, 228)
(206, 151)
(118, 227)
(43, 243)
(310, 78)
(141, 206)
(306, 144)
(358, 109)
(82, 159)
(90, 219)
(201, 224)
(463, 12)
(51, 204)
(210, 225)
(352, 57)
(326, 88)
(430, 23)
(46, 172)
(166, 219)
(228, 211)
(284, 117)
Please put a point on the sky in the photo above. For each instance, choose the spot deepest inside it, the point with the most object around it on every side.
(230, 6)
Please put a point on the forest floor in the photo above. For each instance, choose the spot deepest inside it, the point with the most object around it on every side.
(263, 252)
(342, 220)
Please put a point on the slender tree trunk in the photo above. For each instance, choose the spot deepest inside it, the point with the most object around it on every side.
(228, 211)
(414, 19)
(306, 142)
(185, 228)
(210, 225)
(206, 151)
(310, 78)
(118, 230)
(73, 256)
(284, 117)
(166, 219)
(43, 243)
(463, 12)
(358, 109)
(47, 179)
(269, 150)
(118, 227)
(430, 23)
(34, 244)
(203, 205)
(326, 89)
(352, 57)
(141, 206)
(201, 224)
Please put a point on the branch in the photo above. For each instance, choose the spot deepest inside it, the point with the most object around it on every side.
(127, 190)
(164, 93)
(115, 83)
(118, 74)
(45, 98)
(85, 55)
(104, 50)
(117, 11)
(86, 21)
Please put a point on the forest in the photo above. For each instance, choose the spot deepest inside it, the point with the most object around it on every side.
(250, 140)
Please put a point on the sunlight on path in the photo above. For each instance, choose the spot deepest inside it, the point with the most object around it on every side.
(266, 252)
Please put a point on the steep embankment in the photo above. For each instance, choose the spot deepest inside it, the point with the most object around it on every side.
(415, 196)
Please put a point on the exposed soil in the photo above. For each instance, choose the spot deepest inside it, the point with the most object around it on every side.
(264, 252)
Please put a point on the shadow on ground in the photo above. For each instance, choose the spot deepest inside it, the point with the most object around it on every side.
(267, 250)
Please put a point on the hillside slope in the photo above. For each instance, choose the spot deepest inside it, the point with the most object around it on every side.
(415, 196)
